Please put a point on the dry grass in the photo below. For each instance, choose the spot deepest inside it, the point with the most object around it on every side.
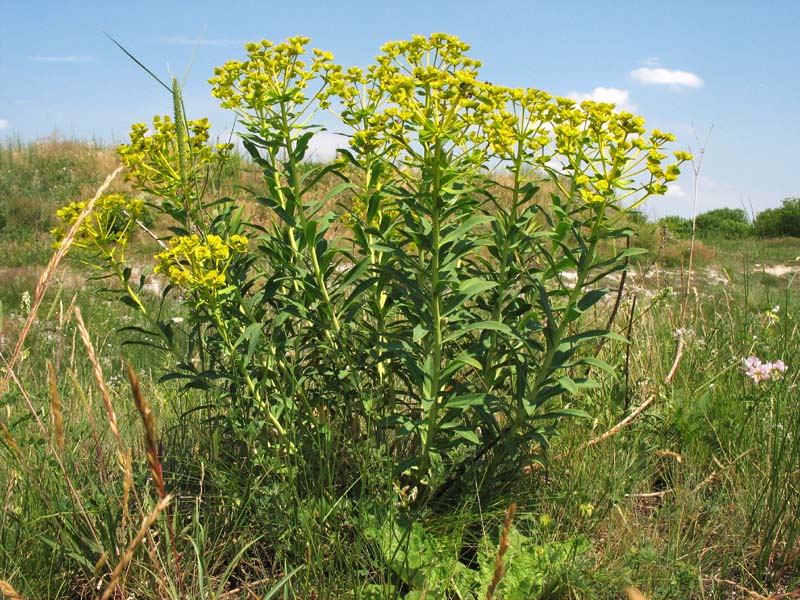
(127, 556)
(499, 564)
(8, 591)
(47, 276)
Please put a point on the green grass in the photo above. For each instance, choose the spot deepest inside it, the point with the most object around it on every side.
(696, 498)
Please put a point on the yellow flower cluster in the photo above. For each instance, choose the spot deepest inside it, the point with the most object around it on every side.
(274, 75)
(152, 158)
(106, 227)
(519, 127)
(424, 95)
(422, 91)
(199, 264)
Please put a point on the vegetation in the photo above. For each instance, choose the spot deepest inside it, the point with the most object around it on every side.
(397, 375)
(779, 222)
(726, 223)
(733, 223)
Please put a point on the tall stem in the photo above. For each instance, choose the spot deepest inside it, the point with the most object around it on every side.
(503, 283)
(294, 180)
(435, 306)
(696, 168)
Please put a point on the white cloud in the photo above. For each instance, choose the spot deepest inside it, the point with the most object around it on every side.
(322, 146)
(188, 41)
(622, 98)
(673, 78)
(675, 191)
(3, 124)
(68, 58)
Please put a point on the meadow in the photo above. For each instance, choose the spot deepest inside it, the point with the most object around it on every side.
(242, 374)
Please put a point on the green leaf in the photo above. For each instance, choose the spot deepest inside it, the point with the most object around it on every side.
(591, 334)
(568, 384)
(590, 298)
(466, 434)
(631, 252)
(591, 361)
(128, 301)
(467, 289)
(475, 285)
(481, 326)
(465, 227)
(562, 412)
(467, 400)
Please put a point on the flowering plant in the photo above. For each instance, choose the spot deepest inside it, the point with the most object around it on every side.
(442, 329)
(762, 371)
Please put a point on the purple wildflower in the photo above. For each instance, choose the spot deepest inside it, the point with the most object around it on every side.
(761, 371)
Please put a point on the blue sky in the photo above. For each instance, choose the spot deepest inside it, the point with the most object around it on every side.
(682, 65)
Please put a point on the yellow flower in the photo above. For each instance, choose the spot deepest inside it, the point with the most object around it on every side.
(106, 227)
(238, 243)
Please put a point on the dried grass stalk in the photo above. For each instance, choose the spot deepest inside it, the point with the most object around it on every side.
(150, 444)
(634, 594)
(8, 591)
(55, 407)
(41, 288)
(126, 558)
(47, 275)
(76, 385)
(499, 565)
(98, 377)
(127, 486)
(9, 440)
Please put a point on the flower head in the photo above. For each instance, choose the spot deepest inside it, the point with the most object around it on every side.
(760, 371)
(200, 264)
(108, 225)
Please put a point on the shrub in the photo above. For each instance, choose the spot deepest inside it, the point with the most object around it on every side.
(727, 223)
(677, 226)
(779, 222)
(676, 253)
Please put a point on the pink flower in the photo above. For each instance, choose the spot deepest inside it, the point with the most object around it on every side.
(759, 371)
(777, 369)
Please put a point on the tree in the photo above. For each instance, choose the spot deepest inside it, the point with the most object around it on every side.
(779, 222)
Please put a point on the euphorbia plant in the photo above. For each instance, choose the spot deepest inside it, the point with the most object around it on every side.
(442, 328)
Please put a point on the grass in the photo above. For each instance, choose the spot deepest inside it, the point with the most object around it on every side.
(694, 497)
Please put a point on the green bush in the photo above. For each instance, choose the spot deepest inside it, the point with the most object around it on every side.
(677, 226)
(726, 223)
(779, 222)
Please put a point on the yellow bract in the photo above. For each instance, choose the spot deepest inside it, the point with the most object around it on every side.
(108, 225)
(152, 158)
(199, 264)
(425, 93)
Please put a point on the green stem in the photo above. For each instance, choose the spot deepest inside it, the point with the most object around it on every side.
(435, 307)
(245, 375)
(298, 201)
(502, 282)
